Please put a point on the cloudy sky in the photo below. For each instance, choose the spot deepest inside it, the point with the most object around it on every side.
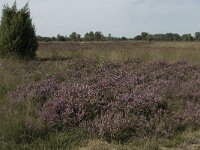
(118, 17)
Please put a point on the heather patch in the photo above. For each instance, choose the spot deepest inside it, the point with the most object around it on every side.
(118, 101)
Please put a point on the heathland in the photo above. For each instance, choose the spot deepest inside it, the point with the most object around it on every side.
(102, 95)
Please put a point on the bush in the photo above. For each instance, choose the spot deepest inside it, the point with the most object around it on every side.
(118, 101)
(17, 33)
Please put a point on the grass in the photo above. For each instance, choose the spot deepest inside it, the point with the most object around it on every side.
(122, 51)
(53, 60)
(185, 141)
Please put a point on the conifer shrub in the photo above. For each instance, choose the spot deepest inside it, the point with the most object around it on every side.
(17, 33)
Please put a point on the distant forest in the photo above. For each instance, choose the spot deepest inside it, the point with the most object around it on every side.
(144, 36)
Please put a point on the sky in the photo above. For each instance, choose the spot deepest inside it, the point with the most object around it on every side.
(118, 17)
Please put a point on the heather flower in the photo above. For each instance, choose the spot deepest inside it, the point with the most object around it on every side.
(118, 100)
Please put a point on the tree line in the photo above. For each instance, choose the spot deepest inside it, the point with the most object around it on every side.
(168, 37)
(144, 36)
(89, 36)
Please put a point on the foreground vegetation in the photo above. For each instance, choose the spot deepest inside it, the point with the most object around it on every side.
(102, 96)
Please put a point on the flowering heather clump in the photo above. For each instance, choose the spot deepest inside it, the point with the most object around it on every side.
(37, 93)
(119, 101)
(191, 90)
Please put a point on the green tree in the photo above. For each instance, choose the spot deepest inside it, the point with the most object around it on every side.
(197, 36)
(123, 38)
(144, 36)
(17, 33)
(89, 36)
(98, 36)
(60, 38)
(138, 37)
(149, 38)
(187, 37)
(109, 37)
(75, 37)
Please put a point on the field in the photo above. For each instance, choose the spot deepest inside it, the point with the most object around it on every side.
(102, 95)
(122, 51)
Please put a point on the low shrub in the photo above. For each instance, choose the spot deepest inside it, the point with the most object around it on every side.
(119, 101)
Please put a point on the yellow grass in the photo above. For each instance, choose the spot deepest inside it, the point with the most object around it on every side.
(122, 51)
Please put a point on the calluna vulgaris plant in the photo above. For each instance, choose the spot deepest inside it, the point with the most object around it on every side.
(119, 101)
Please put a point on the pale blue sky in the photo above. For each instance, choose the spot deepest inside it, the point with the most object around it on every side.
(118, 17)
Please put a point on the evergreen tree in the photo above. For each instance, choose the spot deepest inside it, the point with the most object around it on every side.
(17, 33)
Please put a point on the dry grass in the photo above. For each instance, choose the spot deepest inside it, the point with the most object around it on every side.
(121, 51)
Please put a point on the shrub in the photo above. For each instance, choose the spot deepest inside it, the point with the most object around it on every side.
(17, 33)
(118, 101)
